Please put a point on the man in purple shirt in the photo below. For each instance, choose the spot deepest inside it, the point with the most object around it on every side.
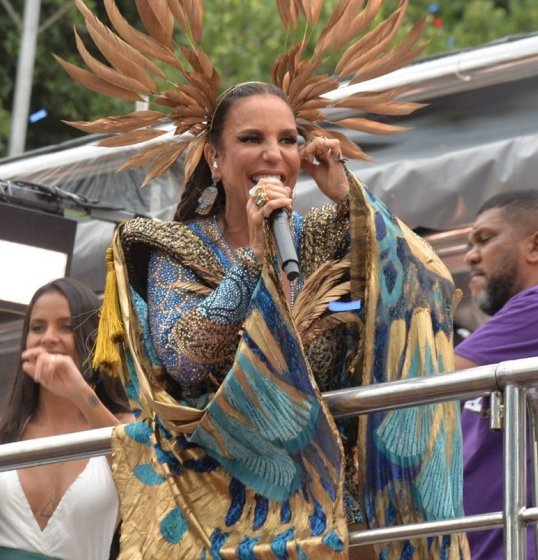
(503, 257)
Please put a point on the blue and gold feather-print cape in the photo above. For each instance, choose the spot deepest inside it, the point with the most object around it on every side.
(255, 473)
(257, 470)
(410, 460)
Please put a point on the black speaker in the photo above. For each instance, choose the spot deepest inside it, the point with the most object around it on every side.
(35, 248)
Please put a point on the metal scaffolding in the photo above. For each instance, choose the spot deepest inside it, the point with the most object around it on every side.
(511, 384)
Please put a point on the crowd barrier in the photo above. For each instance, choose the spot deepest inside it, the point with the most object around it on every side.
(514, 400)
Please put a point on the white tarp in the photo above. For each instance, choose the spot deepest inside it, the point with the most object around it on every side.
(477, 136)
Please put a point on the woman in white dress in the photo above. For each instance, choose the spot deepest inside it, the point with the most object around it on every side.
(69, 510)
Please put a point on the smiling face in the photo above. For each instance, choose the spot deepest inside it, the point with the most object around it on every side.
(259, 138)
(494, 258)
(51, 326)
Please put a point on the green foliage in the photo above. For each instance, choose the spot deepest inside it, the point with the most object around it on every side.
(453, 25)
(242, 37)
(246, 37)
(52, 89)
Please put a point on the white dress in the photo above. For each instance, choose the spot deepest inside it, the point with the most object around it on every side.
(82, 525)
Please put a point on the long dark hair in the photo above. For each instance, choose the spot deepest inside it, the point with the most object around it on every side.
(201, 176)
(22, 398)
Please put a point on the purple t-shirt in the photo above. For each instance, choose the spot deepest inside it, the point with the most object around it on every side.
(509, 335)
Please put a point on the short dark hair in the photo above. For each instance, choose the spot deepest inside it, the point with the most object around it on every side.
(22, 398)
(201, 176)
(520, 207)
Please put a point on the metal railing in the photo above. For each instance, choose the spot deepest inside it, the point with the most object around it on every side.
(513, 379)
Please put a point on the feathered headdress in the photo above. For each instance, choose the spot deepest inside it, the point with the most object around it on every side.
(135, 59)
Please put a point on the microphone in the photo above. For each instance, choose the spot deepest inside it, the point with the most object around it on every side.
(281, 232)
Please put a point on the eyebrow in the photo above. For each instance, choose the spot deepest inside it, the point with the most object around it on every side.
(480, 231)
(259, 131)
(58, 320)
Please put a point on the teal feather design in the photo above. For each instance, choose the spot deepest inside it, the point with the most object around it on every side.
(174, 526)
(261, 466)
(411, 471)
(437, 504)
(265, 424)
(140, 432)
(296, 417)
(403, 435)
(147, 474)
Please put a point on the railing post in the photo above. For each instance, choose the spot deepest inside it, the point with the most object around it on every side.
(515, 473)
(532, 409)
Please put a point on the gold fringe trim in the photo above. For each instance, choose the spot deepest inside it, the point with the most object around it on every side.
(111, 331)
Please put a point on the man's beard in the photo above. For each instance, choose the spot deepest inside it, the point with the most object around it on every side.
(499, 288)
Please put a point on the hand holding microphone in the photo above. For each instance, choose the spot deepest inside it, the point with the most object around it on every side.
(280, 228)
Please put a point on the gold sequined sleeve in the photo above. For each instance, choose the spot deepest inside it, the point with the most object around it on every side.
(325, 235)
(196, 333)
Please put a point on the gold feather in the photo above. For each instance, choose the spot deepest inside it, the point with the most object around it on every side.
(370, 45)
(312, 312)
(369, 97)
(182, 111)
(391, 108)
(184, 95)
(206, 88)
(279, 69)
(199, 61)
(167, 158)
(132, 60)
(95, 83)
(288, 13)
(123, 57)
(328, 322)
(157, 19)
(326, 276)
(119, 53)
(110, 75)
(133, 137)
(119, 124)
(187, 122)
(349, 148)
(326, 284)
(302, 77)
(389, 63)
(311, 9)
(180, 16)
(306, 128)
(399, 56)
(331, 32)
(349, 25)
(194, 153)
(316, 87)
(315, 103)
(194, 11)
(363, 19)
(139, 42)
(150, 153)
(192, 287)
(364, 55)
(310, 116)
(370, 126)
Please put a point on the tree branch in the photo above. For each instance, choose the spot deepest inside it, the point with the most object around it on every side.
(12, 13)
(54, 17)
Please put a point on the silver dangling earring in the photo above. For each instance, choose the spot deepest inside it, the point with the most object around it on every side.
(208, 196)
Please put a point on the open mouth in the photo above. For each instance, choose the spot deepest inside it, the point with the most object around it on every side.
(256, 178)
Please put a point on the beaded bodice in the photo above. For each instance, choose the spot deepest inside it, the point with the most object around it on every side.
(195, 329)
